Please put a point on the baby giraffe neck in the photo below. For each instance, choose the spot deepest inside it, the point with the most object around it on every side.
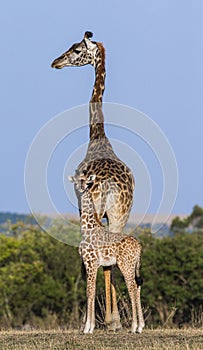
(88, 214)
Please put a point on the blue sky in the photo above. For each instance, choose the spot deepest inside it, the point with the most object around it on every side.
(154, 61)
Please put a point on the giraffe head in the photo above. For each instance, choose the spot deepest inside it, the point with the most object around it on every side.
(82, 182)
(79, 54)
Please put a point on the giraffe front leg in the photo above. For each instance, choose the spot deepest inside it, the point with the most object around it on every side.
(91, 288)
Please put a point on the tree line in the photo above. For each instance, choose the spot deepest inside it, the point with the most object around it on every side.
(41, 283)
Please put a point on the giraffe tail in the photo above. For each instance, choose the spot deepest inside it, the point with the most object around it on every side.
(83, 271)
(138, 280)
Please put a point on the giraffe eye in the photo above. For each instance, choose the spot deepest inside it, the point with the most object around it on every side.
(77, 51)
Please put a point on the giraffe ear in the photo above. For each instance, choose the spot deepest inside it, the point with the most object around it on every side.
(71, 178)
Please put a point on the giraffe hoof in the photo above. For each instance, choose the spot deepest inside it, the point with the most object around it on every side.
(114, 326)
(139, 330)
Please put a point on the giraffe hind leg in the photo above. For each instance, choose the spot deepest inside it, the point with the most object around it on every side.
(141, 322)
(112, 317)
(107, 279)
(116, 324)
(134, 293)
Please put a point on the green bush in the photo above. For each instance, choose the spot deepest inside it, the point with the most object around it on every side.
(41, 284)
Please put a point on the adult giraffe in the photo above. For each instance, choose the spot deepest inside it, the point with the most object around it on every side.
(112, 192)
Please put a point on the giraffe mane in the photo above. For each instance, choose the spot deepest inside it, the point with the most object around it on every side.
(102, 49)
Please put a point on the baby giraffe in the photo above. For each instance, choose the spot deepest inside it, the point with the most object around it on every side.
(99, 247)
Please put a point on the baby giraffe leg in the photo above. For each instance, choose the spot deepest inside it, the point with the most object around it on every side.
(91, 288)
(141, 322)
(131, 285)
(129, 276)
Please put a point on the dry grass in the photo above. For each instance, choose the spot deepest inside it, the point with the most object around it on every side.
(159, 339)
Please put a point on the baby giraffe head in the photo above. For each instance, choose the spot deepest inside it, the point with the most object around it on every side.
(82, 182)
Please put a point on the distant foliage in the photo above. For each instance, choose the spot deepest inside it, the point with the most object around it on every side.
(41, 284)
(173, 280)
(15, 217)
(191, 223)
(39, 276)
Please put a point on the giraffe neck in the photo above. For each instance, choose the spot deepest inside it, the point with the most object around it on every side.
(88, 219)
(95, 107)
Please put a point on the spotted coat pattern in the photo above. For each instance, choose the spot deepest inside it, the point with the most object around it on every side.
(113, 189)
(100, 247)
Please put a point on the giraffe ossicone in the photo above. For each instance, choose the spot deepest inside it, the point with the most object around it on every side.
(100, 247)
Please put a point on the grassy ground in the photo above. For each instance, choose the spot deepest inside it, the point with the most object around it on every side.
(65, 340)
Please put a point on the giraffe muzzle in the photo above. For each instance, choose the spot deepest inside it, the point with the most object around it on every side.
(60, 62)
(57, 64)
